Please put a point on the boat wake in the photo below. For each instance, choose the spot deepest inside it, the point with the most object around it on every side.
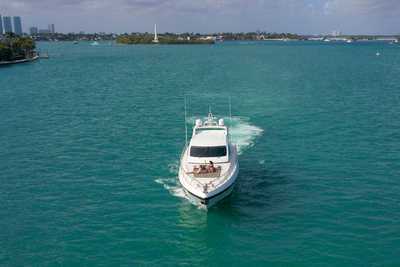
(243, 134)
(173, 186)
(172, 183)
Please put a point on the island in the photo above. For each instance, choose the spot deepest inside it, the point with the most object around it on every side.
(167, 38)
(16, 49)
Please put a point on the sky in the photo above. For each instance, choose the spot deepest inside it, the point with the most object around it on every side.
(209, 16)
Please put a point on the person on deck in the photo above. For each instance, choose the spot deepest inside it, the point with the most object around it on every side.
(210, 167)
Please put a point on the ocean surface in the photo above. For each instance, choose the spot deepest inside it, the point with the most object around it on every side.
(90, 141)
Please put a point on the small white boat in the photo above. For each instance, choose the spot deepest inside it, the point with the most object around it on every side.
(349, 41)
(94, 43)
(209, 163)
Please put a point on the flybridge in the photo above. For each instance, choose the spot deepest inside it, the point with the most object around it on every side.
(209, 124)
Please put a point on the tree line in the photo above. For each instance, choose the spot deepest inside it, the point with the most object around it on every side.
(14, 47)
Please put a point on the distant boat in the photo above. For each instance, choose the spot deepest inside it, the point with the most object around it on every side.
(94, 43)
(378, 54)
(44, 55)
(349, 41)
(75, 42)
(219, 38)
(327, 40)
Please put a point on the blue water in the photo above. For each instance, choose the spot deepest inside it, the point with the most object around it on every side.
(91, 139)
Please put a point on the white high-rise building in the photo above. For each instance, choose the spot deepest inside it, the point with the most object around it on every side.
(1, 25)
(7, 24)
(52, 28)
(17, 25)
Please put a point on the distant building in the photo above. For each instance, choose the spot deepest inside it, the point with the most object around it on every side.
(1, 25)
(7, 25)
(33, 30)
(45, 31)
(52, 28)
(336, 33)
(17, 25)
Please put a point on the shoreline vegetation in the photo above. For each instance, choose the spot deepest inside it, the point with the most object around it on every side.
(198, 38)
(16, 49)
(163, 39)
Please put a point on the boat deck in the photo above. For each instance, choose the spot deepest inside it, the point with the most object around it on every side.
(206, 174)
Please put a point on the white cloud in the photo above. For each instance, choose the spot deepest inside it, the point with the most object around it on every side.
(362, 7)
(302, 16)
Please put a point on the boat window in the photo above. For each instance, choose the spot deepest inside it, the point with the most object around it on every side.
(207, 151)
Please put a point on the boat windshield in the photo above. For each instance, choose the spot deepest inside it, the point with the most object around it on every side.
(207, 151)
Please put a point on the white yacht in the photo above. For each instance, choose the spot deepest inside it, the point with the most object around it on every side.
(209, 163)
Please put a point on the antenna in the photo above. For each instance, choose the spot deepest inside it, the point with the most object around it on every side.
(186, 136)
(230, 109)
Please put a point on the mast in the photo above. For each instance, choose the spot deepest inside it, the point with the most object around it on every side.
(230, 109)
(186, 135)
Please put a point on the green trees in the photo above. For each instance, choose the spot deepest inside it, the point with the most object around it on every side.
(196, 38)
(13, 47)
(166, 38)
(5, 53)
(135, 39)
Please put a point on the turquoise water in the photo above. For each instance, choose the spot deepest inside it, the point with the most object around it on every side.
(91, 138)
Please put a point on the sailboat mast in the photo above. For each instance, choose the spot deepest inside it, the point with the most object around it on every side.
(230, 108)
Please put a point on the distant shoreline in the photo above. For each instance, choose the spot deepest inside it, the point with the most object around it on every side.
(148, 39)
(197, 38)
(19, 61)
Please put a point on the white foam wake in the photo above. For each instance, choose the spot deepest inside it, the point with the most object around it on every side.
(243, 133)
(172, 183)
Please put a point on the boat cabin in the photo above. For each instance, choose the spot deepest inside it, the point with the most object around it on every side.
(209, 142)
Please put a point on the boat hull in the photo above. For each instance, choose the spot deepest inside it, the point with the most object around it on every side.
(211, 201)
(210, 198)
